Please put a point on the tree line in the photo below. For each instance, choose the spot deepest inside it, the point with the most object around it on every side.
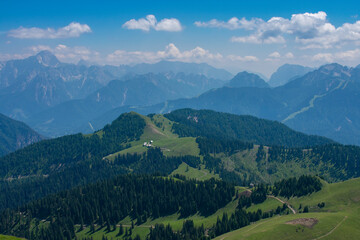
(153, 160)
(297, 187)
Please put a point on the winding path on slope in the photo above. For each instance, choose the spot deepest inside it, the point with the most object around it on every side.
(283, 202)
(338, 225)
(252, 228)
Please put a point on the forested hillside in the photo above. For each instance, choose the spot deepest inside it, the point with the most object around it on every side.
(50, 155)
(213, 124)
(45, 186)
(245, 163)
(57, 164)
(108, 202)
(238, 149)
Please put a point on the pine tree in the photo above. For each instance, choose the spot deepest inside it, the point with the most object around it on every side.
(306, 209)
(121, 230)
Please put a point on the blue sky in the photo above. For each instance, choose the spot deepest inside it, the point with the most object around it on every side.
(261, 35)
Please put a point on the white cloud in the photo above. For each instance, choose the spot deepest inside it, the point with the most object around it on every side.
(243, 59)
(39, 48)
(232, 24)
(323, 57)
(170, 25)
(171, 53)
(334, 37)
(289, 55)
(313, 30)
(275, 55)
(342, 56)
(74, 29)
(349, 55)
(257, 39)
(150, 22)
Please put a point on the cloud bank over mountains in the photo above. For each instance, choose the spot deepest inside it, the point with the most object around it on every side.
(119, 57)
(253, 44)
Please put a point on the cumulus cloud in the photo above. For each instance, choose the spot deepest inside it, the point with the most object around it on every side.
(350, 55)
(289, 55)
(72, 30)
(170, 53)
(150, 22)
(323, 57)
(258, 39)
(275, 55)
(243, 59)
(313, 30)
(232, 24)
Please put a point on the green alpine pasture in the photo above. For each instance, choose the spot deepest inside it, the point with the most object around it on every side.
(3, 237)
(158, 129)
(339, 219)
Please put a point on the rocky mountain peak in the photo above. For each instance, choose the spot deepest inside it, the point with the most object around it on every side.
(335, 70)
(246, 79)
(47, 59)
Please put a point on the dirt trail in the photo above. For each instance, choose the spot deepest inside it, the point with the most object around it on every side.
(254, 226)
(338, 225)
(141, 226)
(288, 205)
(118, 225)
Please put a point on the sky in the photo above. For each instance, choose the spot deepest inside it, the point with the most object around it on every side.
(257, 36)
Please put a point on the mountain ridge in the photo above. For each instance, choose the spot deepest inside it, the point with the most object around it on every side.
(15, 135)
(40, 82)
(311, 99)
(246, 79)
(286, 73)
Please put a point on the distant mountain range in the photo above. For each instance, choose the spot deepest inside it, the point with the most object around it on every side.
(15, 135)
(323, 102)
(40, 82)
(57, 99)
(132, 90)
(181, 67)
(287, 73)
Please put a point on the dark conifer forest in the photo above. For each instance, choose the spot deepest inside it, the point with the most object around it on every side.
(108, 202)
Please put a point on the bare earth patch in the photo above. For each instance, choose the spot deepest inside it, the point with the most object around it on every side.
(246, 193)
(154, 130)
(306, 222)
(356, 199)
